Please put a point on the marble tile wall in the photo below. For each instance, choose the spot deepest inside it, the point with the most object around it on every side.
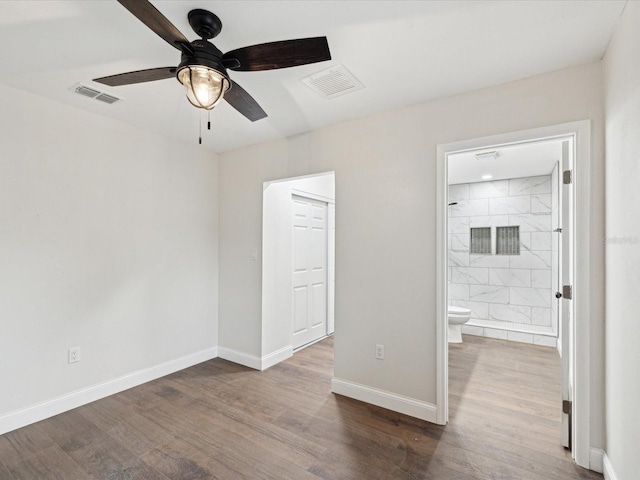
(505, 288)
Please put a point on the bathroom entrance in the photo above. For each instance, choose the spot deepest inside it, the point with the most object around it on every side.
(504, 232)
(507, 219)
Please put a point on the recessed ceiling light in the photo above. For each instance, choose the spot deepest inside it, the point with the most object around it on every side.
(487, 155)
(487, 177)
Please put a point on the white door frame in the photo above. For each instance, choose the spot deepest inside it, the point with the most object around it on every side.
(581, 132)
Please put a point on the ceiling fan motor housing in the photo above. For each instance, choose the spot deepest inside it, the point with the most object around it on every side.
(205, 54)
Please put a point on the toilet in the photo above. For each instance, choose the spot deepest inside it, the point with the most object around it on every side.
(457, 316)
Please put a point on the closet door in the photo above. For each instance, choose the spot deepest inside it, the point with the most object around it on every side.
(309, 270)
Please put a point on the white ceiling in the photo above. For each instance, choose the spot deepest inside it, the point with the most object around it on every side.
(404, 52)
(513, 161)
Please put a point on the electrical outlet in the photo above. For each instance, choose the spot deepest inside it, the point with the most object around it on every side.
(74, 354)
(380, 352)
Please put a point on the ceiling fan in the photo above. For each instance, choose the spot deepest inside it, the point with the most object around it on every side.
(203, 68)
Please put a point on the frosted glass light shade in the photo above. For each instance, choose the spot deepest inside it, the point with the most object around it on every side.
(204, 87)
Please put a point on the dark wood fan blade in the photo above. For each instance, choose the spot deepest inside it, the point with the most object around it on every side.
(156, 21)
(269, 56)
(139, 76)
(239, 99)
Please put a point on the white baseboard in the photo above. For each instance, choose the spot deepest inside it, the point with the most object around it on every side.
(253, 361)
(595, 459)
(391, 401)
(607, 469)
(240, 358)
(276, 357)
(49, 408)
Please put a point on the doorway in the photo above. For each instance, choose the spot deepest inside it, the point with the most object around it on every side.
(504, 218)
(298, 262)
(575, 340)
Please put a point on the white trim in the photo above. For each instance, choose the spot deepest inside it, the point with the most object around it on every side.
(278, 356)
(252, 361)
(49, 408)
(442, 342)
(581, 131)
(313, 196)
(391, 401)
(288, 179)
(607, 468)
(240, 358)
(581, 409)
(595, 459)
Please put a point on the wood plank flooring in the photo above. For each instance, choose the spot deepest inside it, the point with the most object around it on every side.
(219, 420)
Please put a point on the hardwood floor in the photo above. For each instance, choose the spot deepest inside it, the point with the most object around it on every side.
(219, 420)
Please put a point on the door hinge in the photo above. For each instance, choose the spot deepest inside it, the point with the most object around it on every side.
(567, 292)
(567, 177)
(566, 407)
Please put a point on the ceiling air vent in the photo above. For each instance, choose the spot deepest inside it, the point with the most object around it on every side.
(86, 91)
(95, 94)
(333, 82)
(103, 97)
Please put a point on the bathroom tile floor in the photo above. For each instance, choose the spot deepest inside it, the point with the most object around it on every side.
(219, 420)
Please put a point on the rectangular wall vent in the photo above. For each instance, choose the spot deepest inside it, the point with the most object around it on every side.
(333, 82)
(95, 94)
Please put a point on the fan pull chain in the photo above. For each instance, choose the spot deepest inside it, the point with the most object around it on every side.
(208, 119)
(200, 137)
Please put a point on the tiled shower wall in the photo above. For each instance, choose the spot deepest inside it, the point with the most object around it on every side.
(510, 296)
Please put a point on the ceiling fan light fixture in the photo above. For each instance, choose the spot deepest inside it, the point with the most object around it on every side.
(204, 86)
(203, 67)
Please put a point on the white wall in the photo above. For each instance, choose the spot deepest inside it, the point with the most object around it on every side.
(277, 287)
(108, 242)
(622, 76)
(385, 169)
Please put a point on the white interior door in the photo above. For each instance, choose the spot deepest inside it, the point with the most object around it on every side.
(566, 301)
(310, 239)
(331, 320)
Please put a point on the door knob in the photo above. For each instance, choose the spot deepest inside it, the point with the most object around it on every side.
(558, 295)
